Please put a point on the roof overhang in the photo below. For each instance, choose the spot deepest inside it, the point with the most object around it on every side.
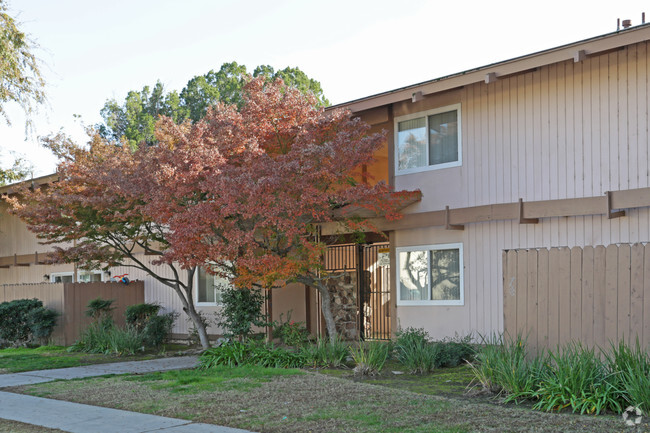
(32, 183)
(576, 51)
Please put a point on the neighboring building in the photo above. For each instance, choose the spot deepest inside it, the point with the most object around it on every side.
(525, 167)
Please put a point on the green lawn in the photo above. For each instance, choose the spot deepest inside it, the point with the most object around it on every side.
(48, 357)
(290, 401)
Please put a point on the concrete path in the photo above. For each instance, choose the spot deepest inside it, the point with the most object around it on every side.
(82, 418)
(148, 366)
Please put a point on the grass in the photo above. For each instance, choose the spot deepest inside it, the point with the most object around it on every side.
(49, 357)
(288, 400)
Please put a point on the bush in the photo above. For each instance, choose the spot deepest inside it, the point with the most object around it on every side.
(236, 353)
(241, 311)
(157, 329)
(23, 320)
(100, 309)
(578, 379)
(413, 350)
(107, 338)
(42, 321)
(370, 357)
(454, 352)
(325, 354)
(139, 314)
(585, 380)
(501, 367)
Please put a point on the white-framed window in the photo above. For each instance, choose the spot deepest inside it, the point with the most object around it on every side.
(61, 277)
(430, 275)
(209, 288)
(429, 140)
(82, 276)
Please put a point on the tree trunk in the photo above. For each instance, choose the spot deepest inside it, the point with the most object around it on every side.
(326, 307)
(198, 324)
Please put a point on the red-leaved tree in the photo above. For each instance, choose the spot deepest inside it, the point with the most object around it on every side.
(246, 189)
(241, 193)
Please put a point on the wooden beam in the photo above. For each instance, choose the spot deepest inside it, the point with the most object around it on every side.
(610, 213)
(449, 225)
(523, 220)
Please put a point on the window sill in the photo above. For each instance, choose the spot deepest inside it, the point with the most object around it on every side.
(430, 303)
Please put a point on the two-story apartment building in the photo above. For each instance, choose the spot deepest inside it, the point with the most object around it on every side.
(534, 215)
(526, 167)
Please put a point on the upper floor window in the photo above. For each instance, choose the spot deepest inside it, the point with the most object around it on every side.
(82, 276)
(430, 275)
(428, 140)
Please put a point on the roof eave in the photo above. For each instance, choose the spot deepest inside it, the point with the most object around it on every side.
(576, 51)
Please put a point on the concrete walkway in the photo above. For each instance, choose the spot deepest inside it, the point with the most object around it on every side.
(82, 418)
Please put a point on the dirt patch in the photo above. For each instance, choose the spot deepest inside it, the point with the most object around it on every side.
(7, 426)
(317, 403)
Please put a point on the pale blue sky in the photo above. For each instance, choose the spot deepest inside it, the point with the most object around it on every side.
(95, 50)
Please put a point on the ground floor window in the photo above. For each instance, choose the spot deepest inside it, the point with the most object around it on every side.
(209, 288)
(430, 275)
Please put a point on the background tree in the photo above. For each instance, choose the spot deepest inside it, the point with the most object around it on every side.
(98, 209)
(134, 119)
(21, 81)
(258, 179)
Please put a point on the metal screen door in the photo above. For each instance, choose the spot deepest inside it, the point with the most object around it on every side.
(372, 268)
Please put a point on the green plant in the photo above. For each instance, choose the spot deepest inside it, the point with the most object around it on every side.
(630, 367)
(139, 314)
(454, 352)
(370, 357)
(100, 309)
(413, 350)
(111, 339)
(576, 378)
(241, 311)
(236, 353)
(41, 322)
(500, 366)
(157, 329)
(325, 353)
(22, 320)
(294, 333)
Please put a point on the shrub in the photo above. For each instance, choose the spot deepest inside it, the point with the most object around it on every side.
(501, 367)
(100, 309)
(139, 314)
(413, 350)
(157, 329)
(630, 367)
(294, 333)
(104, 337)
(451, 353)
(370, 357)
(585, 380)
(42, 321)
(577, 378)
(236, 353)
(22, 320)
(325, 354)
(241, 311)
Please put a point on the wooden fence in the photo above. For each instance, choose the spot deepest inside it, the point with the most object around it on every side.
(595, 295)
(71, 300)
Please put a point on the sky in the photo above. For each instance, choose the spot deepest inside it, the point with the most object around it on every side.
(93, 50)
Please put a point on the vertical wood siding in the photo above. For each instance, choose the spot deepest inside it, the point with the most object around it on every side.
(596, 295)
(565, 130)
